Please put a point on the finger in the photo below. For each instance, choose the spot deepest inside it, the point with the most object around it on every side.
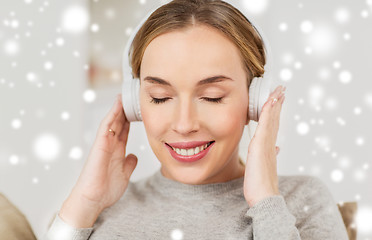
(277, 150)
(272, 115)
(283, 99)
(119, 122)
(129, 165)
(268, 123)
(123, 137)
(270, 103)
(278, 105)
(282, 93)
(275, 119)
(111, 116)
(275, 96)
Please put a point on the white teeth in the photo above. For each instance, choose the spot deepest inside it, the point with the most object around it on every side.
(190, 151)
(183, 152)
(196, 150)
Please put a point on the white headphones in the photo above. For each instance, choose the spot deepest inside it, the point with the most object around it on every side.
(259, 89)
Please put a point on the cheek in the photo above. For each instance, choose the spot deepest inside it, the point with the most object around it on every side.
(230, 117)
(227, 120)
(149, 119)
(147, 114)
(155, 124)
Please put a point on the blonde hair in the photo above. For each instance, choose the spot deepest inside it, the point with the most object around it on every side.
(182, 14)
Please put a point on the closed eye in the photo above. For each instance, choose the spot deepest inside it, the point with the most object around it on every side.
(158, 100)
(162, 100)
(215, 100)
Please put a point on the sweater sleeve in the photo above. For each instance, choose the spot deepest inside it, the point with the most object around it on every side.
(272, 220)
(60, 230)
(317, 215)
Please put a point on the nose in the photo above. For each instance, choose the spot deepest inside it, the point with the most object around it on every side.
(185, 118)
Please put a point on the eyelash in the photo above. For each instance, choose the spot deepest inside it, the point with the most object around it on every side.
(162, 100)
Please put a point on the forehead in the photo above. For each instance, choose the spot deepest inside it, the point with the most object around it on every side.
(192, 53)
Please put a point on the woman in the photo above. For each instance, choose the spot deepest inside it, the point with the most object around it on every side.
(195, 60)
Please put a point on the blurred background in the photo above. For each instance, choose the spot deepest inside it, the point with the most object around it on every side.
(60, 70)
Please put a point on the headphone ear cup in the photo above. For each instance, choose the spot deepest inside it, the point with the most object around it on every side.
(131, 86)
(130, 98)
(259, 92)
(252, 110)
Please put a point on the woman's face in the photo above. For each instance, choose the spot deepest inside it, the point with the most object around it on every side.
(181, 109)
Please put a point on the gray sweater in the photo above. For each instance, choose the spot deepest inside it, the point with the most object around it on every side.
(159, 208)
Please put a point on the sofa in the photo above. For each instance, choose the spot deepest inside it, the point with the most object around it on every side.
(13, 224)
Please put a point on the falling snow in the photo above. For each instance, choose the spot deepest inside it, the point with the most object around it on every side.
(48, 66)
(76, 153)
(176, 234)
(60, 42)
(75, 19)
(65, 115)
(323, 40)
(321, 56)
(363, 219)
(283, 26)
(306, 26)
(13, 159)
(89, 95)
(16, 123)
(46, 147)
(11, 47)
(303, 128)
(337, 175)
(94, 27)
(345, 76)
(286, 74)
(342, 15)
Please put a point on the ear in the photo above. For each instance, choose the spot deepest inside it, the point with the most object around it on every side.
(247, 119)
(248, 87)
(247, 122)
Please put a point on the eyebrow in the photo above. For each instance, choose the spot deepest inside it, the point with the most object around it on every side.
(214, 79)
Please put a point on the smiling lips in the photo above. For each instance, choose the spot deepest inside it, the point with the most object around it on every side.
(189, 151)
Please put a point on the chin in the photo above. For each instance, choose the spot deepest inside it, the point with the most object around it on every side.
(194, 180)
(188, 175)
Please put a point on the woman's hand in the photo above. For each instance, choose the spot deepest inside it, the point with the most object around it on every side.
(106, 173)
(261, 180)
